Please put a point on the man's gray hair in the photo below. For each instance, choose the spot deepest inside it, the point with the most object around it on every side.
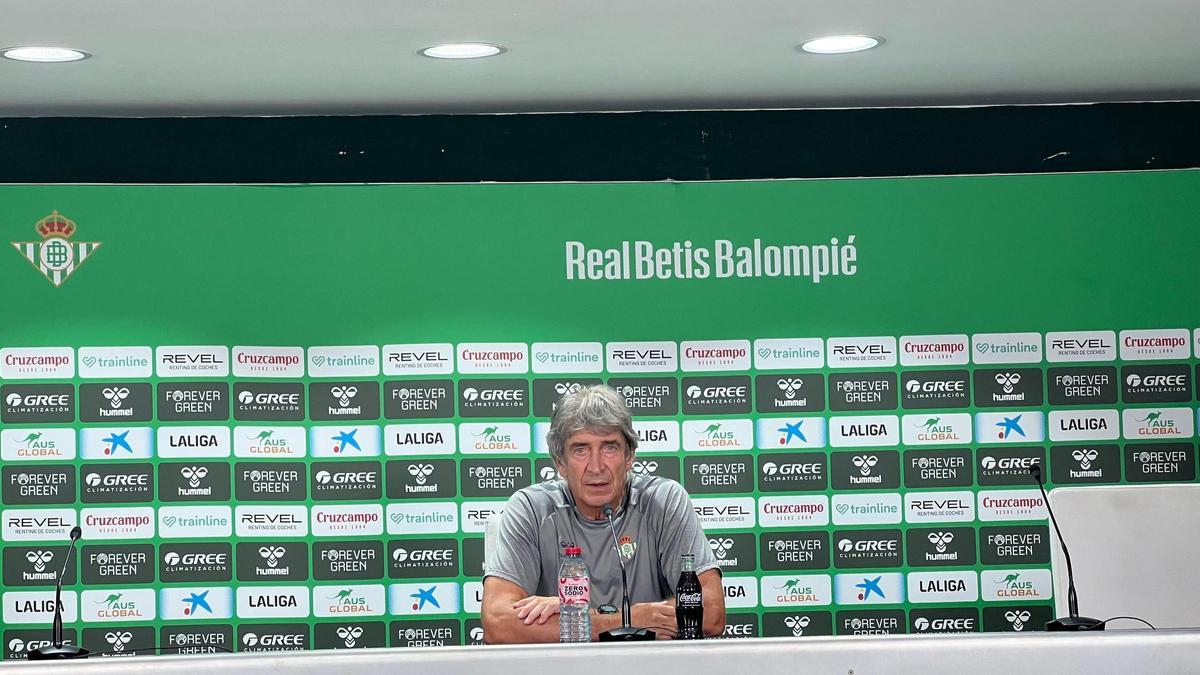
(597, 408)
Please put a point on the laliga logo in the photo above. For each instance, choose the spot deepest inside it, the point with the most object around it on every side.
(1007, 381)
(1085, 457)
(194, 474)
(865, 463)
(645, 468)
(789, 387)
(1017, 619)
(115, 395)
(350, 634)
(720, 547)
(344, 394)
(420, 472)
(13, 400)
(940, 540)
(797, 624)
(272, 554)
(39, 560)
(118, 640)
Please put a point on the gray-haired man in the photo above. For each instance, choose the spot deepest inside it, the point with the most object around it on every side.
(592, 443)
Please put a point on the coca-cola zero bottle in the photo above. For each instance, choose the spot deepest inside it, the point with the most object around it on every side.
(689, 601)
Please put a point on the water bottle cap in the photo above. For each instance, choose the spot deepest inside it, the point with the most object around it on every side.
(572, 550)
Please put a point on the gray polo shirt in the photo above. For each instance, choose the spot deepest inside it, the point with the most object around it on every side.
(655, 526)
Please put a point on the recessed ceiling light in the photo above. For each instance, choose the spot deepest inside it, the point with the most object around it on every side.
(43, 54)
(840, 44)
(462, 50)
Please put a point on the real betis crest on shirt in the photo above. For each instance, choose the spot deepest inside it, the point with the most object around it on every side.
(627, 546)
(56, 256)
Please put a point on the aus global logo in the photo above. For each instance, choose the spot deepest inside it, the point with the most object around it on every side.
(56, 256)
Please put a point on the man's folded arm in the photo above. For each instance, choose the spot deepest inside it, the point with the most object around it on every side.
(503, 624)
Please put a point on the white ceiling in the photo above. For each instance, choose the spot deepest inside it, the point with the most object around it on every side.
(255, 57)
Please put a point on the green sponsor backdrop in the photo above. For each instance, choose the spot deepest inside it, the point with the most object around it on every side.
(386, 264)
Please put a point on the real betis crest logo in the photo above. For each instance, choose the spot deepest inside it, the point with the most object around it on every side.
(56, 256)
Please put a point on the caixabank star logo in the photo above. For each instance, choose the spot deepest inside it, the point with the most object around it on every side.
(56, 256)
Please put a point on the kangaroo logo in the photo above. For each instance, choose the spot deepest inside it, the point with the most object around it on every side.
(194, 474)
(344, 394)
(865, 463)
(420, 472)
(115, 395)
(272, 554)
(1008, 381)
(941, 540)
(789, 386)
(797, 624)
(350, 634)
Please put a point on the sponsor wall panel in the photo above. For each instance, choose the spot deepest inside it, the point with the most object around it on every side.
(262, 468)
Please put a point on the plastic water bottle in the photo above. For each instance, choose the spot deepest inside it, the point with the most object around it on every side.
(574, 596)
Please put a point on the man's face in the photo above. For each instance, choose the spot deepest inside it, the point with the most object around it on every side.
(595, 466)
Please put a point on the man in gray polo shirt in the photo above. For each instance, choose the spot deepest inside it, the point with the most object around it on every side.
(592, 443)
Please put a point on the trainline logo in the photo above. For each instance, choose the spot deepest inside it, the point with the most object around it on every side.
(343, 361)
(567, 357)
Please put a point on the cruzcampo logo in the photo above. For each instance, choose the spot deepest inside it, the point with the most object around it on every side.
(56, 256)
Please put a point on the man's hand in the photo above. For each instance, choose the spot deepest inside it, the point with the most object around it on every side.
(657, 616)
(536, 609)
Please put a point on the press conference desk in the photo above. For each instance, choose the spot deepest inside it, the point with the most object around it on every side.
(1125, 652)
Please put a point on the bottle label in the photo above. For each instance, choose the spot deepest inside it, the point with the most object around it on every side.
(690, 600)
(574, 590)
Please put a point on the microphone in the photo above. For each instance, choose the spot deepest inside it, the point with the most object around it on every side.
(1073, 622)
(58, 650)
(626, 633)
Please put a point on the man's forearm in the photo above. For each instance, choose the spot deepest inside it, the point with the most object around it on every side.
(512, 630)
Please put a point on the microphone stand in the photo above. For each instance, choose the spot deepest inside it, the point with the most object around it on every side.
(1073, 622)
(626, 633)
(58, 650)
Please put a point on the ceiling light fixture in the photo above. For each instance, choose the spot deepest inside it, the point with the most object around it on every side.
(43, 54)
(462, 50)
(840, 44)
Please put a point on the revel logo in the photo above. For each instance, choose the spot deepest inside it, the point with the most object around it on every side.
(418, 359)
(206, 361)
